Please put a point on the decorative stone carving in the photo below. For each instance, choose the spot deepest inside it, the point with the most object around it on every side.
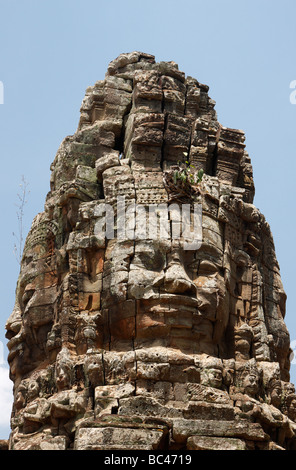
(131, 340)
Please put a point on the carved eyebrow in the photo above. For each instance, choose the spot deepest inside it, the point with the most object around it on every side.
(209, 250)
(147, 257)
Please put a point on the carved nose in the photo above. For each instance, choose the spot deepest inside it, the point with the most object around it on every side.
(176, 281)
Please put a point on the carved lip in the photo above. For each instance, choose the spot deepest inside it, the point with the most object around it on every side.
(14, 345)
(173, 301)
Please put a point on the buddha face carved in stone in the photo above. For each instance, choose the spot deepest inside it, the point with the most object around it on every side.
(32, 322)
(166, 300)
(211, 372)
(248, 377)
(64, 370)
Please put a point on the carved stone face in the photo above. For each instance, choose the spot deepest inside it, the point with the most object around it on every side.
(33, 390)
(276, 393)
(20, 398)
(292, 408)
(212, 376)
(166, 296)
(32, 320)
(289, 400)
(64, 370)
(248, 377)
(251, 384)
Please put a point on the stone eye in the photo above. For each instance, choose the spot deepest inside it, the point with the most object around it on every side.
(27, 296)
(153, 261)
(207, 267)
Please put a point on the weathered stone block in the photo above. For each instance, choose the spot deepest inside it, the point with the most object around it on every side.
(111, 438)
(182, 429)
(215, 443)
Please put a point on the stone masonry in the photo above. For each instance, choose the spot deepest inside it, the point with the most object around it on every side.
(136, 342)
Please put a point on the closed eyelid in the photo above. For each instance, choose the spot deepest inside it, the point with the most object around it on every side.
(207, 266)
(150, 261)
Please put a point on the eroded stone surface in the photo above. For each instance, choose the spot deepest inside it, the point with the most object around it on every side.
(138, 342)
(215, 443)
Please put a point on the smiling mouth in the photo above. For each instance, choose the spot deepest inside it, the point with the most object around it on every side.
(170, 303)
(14, 350)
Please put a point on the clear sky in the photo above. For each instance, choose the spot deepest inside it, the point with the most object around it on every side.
(52, 50)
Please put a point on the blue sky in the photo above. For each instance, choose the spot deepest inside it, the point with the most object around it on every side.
(52, 50)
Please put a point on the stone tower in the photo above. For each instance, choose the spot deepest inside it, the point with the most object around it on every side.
(129, 340)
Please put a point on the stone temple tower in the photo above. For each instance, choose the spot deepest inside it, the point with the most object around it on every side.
(128, 339)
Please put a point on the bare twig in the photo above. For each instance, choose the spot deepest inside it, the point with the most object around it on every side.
(22, 201)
